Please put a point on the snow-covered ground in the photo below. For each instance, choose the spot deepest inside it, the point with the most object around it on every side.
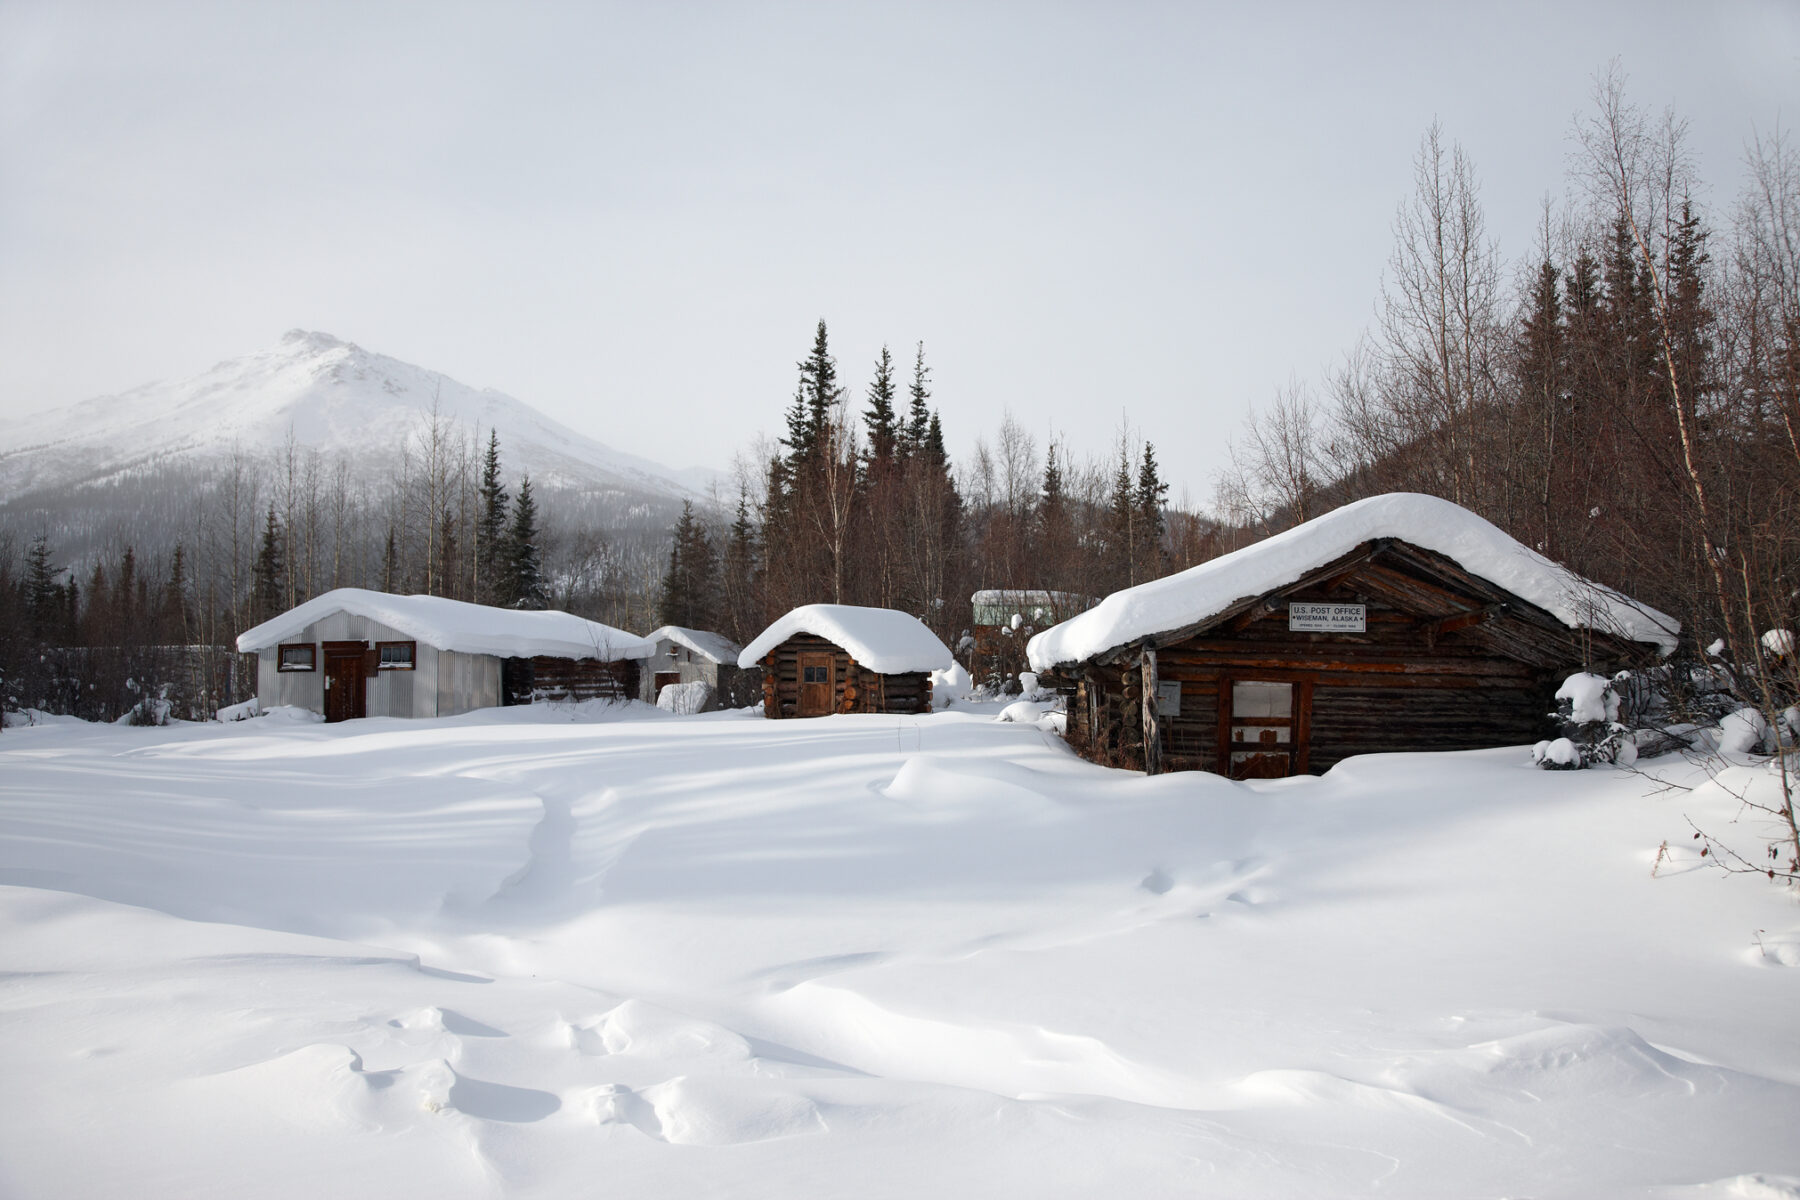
(555, 952)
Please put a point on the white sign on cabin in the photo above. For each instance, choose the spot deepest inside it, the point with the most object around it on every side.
(1168, 699)
(1327, 618)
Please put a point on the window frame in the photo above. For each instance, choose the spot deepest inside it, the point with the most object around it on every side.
(412, 657)
(284, 667)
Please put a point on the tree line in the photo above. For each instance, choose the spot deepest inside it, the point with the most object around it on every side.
(863, 505)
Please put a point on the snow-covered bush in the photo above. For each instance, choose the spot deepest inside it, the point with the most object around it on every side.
(685, 699)
(949, 685)
(1559, 754)
(1588, 709)
(1589, 699)
(151, 710)
(241, 712)
(1745, 731)
(1029, 688)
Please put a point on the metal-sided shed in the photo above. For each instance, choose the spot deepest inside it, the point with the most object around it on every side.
(691, 656)
(841, 658)
(354, 653)
(1398, 623)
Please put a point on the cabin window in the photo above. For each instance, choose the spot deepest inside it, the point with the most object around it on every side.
(812, 674)
(395, 656)
(301, 657)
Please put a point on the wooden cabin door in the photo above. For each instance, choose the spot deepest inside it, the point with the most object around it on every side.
(817, 687)
(1265, 728)
(345, 697)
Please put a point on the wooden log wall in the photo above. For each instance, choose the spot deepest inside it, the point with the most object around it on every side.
(857, 689)
(583, 679)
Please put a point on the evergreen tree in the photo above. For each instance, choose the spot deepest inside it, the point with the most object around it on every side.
(1148, 500)
(818, 386)
(526, 587)
(880, 418)
(447, 559)
(94, 620)
(1121, 527)
(1054, 534)
(44, 599)
(740, 618)
(268, 573)
(689, 590)
(1543, 369)
(933, 448)
(1690, 320)
(490, 528)
(173, 616)
(918, 418)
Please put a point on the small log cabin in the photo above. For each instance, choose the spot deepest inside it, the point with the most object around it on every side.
(1398, 623)
(354, 653)
(839, 658)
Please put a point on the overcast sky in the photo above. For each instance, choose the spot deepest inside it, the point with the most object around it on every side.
(631, 216)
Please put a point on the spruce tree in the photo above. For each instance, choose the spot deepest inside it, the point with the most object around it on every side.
(1542, 369)
(1148, 500)
(1121, 527)
(880, 418)
(688, 591)
(268, 573)
(44, 601)
(526, 587)
(740, 618)
(918, 417)
(818, 387)
(172, 619)
(490, 528)
(1054, 536)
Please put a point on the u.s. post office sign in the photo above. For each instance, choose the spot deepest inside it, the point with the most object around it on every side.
(1328, 618)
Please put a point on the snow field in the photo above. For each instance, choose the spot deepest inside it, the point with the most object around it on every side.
(565, 951)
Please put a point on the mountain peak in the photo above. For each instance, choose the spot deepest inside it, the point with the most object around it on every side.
(323, 393)
(313, 340)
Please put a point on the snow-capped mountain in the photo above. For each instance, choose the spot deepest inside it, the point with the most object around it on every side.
(336, 398)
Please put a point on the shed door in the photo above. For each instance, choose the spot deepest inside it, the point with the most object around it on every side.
(1265, 731)
(345, 695)
(817, 687)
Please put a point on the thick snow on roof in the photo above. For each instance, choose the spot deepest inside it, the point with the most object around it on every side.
(454, 625)
(713, 647)
(1426, 521)
(882, 639)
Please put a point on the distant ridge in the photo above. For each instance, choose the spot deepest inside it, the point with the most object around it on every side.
(336, 398)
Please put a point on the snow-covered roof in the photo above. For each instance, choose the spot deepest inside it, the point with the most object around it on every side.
(713, 647)
(884, 640)
(455, 625)
(1480, 548)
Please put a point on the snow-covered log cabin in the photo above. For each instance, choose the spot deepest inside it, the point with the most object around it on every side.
(355, 653)
(691, 656)
(842, 658)
(1401, 622)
